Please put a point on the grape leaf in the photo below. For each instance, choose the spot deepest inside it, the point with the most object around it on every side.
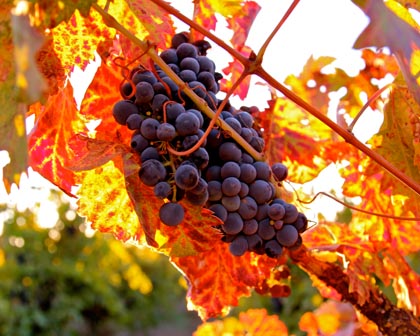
(255, 322)
(106, 204)
(217, 279)
(12, 114)
(55, 124)
(386, 29)
(83, 34)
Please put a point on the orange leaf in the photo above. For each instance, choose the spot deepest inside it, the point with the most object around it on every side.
(257, 322)
(218, 279)
(56, 123)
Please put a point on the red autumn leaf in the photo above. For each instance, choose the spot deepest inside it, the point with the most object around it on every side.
(55, 124)
(218, 279)
(386, 29)
(84, 34)
(257, 322)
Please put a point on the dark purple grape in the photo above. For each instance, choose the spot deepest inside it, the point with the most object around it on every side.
(276, 211)
(238, 246)
(201, 187)
(173, 110)
(296, 245)
(171, 84)
(266, 230)
(171, 214)
(149, 128)
(144, 92)
(215, 190)
(197, 199)
(213, 173)
(231, 186)
(122, 110)
(165, 132)
(174, 68)
(206, 64)
(261, 191)
(187, 123)
(248, 208)
(214, 139)
(287, 235)
(231, 203)
(245, 119)
(188, 75)
(226, 114)
(262, 212)
(263, 170)
(202, 46)
(280, 171)
(158, 101)
(232, 122)
(162, 190)
(139, 142)
(233, 224)
(126, 90)
(151, 172)
(134, 121)
(246, 158)
(230, 169)
(189, 141)
(190, 63)
(186, 177)
(186, 50)
(149, 153)
(144, 76)
(250, 227)
(159, 88)
(301, 223)
(208, 81)
(278, 224)
(257, 143)
(169, 56)
(179, 38)
(219, 211)
(198, 88)
(200, 157)
(248, 173)
(291, 214)
(273, 249)
(229, 151)
(255, 242)
(244, 190)
(246, 133)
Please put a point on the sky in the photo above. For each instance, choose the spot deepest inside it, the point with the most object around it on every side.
(318, 28)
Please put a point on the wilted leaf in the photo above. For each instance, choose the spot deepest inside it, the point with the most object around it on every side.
(55, 124)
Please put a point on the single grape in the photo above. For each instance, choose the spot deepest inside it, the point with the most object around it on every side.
(171, 84)
(246, 158)
(248, 208)
(198, 88)
(162, 190)
(280, 171)
(149, 128)
(233, 224)
(151, 172)
(186, 50)
(200, 157)
(126, 90)
(187, 123)
(144, 92)
(229, 151)
(244, 190)
(189, 141)
(169, 56)
(291, 214)
(262, 211)
(134, 121)
(276, 211)
(231, 186)
(296, 245)
(208, 81)
(158, 101)
(213, 173)
(198, 199)
(250, 227)
(199, 115)
(255, 242)
(245, 119)
(175, 68)
(263, 170)
(273, 249)
(232, 122)
(238, 246)
(149, 153)
(261, 191)
(301, 223)
(122, 110)
(144, 76)
(231, 203)
(230, 169)
(159, 88)
(265, 230)
(246, 133)
(186, 177)
(201, 187)
(190, 63)
(206, 64)
(165, 132)
(188, 75)
(179, 38)
(139, 142)
(173, 110)
(248, 173)
(287, 235)
(171, 214)
(219, 211)
(257, 143)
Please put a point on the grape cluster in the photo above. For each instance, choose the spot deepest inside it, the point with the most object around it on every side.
(218, 174)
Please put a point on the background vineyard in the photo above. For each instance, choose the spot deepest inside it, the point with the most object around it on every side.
(348, 258)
